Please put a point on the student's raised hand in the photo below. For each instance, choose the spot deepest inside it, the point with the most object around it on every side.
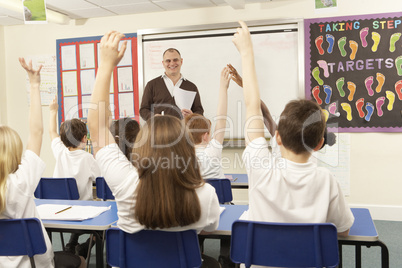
(242, 39)
(225, 78)
(54, 106)
(235, 75)
(33, 74)
(109, 47)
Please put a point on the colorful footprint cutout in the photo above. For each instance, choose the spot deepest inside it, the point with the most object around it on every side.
(363, 35)
(391, 99)
(354, 46)
(359, 107)
(376, 38)
(328, 91)
(316, 75)
(398, 65)
(368, 83)
(370, 111)
(379, 103)
(318, 43)
(381, 80)
(352, 89)
(326, 114)
(394, 38)
(346, 107)
(341, 46)
(339, 85)
(331, 41)
(332, 109)
(323, 65)
(398, 89)
(316, 94)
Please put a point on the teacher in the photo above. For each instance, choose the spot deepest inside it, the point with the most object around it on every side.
(158, 97)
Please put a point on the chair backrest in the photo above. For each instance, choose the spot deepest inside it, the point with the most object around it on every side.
(284, 244)
(57, 188)
(223, 189)
(20, 237)
(102, 189)
(152, 248)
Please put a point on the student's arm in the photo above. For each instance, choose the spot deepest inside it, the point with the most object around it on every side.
(345, 233)
(35, 110)
(254, 127)
(98, 119)
(268, 120)
(221, 113)
(53, 119)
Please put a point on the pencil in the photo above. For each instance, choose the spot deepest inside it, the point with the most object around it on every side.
(63, 210)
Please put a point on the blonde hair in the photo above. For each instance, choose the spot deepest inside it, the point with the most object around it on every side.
(166, 194)
(10, 158)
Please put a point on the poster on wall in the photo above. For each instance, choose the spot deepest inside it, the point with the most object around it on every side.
(354, 71)
(77, 63)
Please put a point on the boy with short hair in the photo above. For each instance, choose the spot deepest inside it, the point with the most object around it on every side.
(285, 186)
(72, 161)
(209, 151)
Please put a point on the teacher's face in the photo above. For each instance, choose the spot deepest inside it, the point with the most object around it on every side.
(172, 63)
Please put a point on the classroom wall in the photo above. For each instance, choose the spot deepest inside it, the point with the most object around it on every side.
(375, 157)
(3, 104)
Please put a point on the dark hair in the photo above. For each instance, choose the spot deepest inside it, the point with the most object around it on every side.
(301, 126)
(125, 131)
(198, 125)
(171, 50)
(72, 132)
(166, 193)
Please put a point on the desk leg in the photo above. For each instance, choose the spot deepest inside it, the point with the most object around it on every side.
(99, 249)
(384, 255)
(340, 255)
(358, 256)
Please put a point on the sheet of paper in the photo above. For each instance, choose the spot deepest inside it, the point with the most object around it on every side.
(87, 56)
(125, 79)
(87, 81)
(221, 209)
(70, 83)
(184, 99)
(70, 107)
(68, 58)
(126, 105)
(127, 58)
(75, 213)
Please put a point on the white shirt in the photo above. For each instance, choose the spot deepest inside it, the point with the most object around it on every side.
(209, 158)
(21, 186)
(76, 164)
(122, 178)
(284, 191)
(169, 83)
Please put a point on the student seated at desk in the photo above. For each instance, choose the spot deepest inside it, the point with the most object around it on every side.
(292, 189)
(209, 152)
(20, 175)
(73, 162)
(161, 188)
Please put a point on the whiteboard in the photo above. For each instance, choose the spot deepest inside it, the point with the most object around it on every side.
(278, 59)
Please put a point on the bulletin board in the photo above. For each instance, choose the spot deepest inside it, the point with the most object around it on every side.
(207, 49)
(77, 64)
(353, 69)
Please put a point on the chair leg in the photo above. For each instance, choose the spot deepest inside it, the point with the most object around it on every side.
(89, 249)
(62, 241)
(32, 262)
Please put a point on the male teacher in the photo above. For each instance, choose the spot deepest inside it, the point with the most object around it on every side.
(158, 97)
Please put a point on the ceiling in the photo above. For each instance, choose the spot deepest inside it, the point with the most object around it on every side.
(82, 9)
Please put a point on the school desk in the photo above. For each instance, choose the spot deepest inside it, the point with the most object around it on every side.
(362, 233)
(96, 226)
(238, 181)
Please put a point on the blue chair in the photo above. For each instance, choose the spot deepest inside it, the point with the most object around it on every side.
(102, 189)
(152, 248)
(20, 237)
(57, 188)
(223, 189)
(284, 244)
